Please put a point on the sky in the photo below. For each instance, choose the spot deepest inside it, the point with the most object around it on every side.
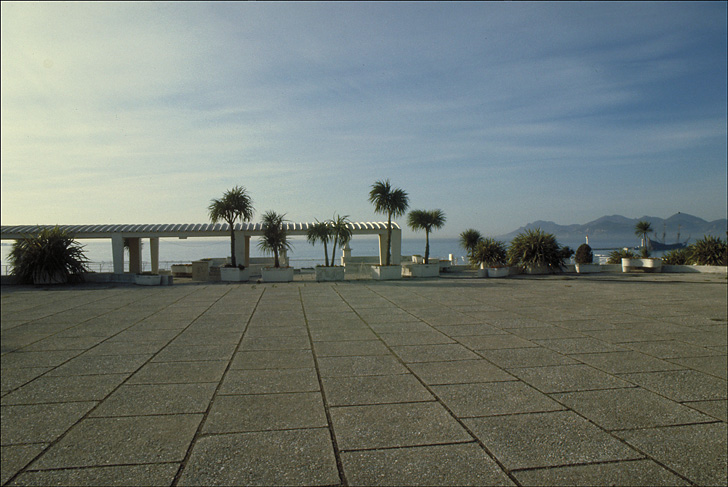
(500, 114)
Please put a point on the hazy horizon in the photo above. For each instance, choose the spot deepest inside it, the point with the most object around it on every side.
(500, 114)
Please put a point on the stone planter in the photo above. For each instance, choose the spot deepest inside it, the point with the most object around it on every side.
(498, 271)
(42, 278)
(333, 273)
(588, 268)
(201, 270)
(537, 270)
(386, 272)
(647, 265)
(182, 270)
(234, 274)
(148, 279)
(422, 270)
(277, 274)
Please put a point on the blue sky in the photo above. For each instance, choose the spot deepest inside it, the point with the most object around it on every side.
(500, 114)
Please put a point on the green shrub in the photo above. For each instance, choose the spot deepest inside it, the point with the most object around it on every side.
(490, 252)
(616, 256)
(677, 257)
(709, 251)
(584, 254)
(535, 248)
(49, 256)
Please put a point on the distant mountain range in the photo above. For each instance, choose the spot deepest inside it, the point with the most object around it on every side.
(618, 231)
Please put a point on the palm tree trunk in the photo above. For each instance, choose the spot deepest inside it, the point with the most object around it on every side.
(389, 237)
(427, 246)
(326, 255)
(333, 253)
(276, 262)
(232, 244)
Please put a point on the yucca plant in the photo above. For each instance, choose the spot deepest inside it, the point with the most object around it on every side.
(426, 220)
(49, 256)
(469, 240)
(616, 256)
(490, 253)
(320, 232)
(341, 233)
(235, 204)
(677, 257)
(275, 238)
(535, 248)
(709, 251)
(391, 202)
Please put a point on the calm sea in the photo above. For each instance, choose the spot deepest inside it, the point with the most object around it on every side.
(173, 250)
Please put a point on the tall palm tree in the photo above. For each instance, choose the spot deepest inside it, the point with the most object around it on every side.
(235, 204)
(320, 232)
(275, 238)
(469, 240)
(341, 233)
(641, 230)
(391, 202)
(426, 220)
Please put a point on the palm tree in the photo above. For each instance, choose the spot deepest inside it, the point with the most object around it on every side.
(320, 232)
(469, 240)
(234, 204)
(341, 233)
(274, 238)
(389, 201)
(426, 220)
(641, 230)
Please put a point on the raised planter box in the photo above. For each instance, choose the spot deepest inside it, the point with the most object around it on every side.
(537, 270)
(588, 268)
(498, 271)
(333, 273)
(148, 279)
(386, 272)
(234, 274)
(647, 265)
(277, 274)
(421, 270)
(181, 270)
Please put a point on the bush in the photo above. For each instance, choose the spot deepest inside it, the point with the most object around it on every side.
(584, 254)
(616, 256)
(50, 256)
(677, 257)
(709, 251)
(535, 248)
(490, 252)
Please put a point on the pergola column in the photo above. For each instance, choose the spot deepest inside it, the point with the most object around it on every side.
(395, 248)
(247, 251)
(117, 253)
(240, 248)
(135, 255)
(154, 249)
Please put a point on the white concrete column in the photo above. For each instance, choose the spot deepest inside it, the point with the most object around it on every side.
(154, 249)
(396, 246)
(247, 251)
(117, 253)
(240, 248)
(283, 258)
(135, 255)
(346, 254)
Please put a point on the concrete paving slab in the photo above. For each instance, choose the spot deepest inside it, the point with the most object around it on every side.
(446, 352)
(717, 409)
(377, 389)
(14, 378)
(459, 372)
(262, 412)
(78, 388)
(495, 342)
(667, 349)
(681, 385)
(148, 399)
(493, 398)
(13, 458)
(526, 357)
(293, 457)
(714, 365)
(395, 425)
(39, 423)
(179, 372)
(269, 381)
(431, 337)
(350, 348)
(363, 365)
(130, 440)
(634, 473)
(618, 409)
(121, 476)
(273, 359)
(625, 362)
(197, 353)
(100, 364)
(568, 378)
(460, 464)
(562, 437)
(695, 451)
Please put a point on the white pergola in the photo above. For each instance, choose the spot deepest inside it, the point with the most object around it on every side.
(243, 233)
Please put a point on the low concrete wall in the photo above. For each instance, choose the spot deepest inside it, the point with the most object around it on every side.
(704, 269)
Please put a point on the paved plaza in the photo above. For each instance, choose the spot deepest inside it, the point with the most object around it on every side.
(611, 379)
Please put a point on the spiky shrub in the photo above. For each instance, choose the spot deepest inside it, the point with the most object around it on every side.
(566, 253)
(535, 248)
(709, 250)
(426, 220)
(275, 237)
(469, 239)
(676, 257)
(234, 205)
(490, 252)
(616, 256)
(391, 202)
(584, 254)
(51, 255)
